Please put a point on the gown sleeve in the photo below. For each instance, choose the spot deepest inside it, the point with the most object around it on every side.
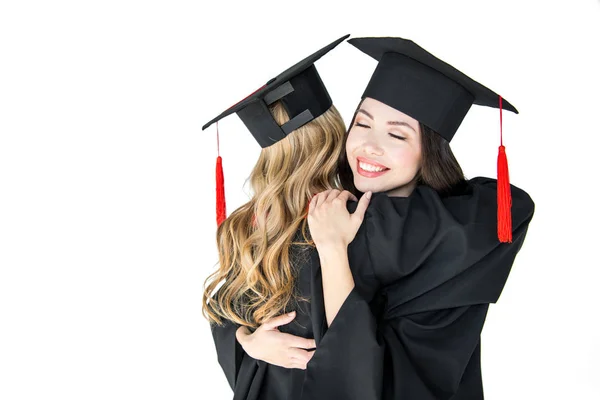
(419, 337)
(229, 351)
(432, 239)
(419, 356)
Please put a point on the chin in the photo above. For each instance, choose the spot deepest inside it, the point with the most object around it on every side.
(365, 188)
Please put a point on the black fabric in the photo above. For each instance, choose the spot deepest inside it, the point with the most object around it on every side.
(309, 93)
(415, 82)
(426, 269)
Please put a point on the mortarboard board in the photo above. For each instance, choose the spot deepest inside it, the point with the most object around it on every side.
(302, 94)
(415, 82)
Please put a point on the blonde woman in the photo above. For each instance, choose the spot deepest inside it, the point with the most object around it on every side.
(264, 243)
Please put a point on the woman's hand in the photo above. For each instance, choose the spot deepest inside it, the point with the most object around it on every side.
(274, 347)
(330, 222)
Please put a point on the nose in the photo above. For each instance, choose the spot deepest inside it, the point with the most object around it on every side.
(372, 147)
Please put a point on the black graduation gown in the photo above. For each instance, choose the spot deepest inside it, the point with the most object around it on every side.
(252, 379)
(426, 269)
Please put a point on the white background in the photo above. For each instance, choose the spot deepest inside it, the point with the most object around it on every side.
(107, 222)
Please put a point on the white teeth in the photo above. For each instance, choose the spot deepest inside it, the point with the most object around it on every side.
(370, 168)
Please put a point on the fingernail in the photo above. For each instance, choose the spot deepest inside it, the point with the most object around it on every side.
(369, 193)
(292, 313)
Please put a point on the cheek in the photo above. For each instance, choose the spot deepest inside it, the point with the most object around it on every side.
(352, 143)
(405, 158)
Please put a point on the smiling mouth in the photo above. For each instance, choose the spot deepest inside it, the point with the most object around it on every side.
(369, 170)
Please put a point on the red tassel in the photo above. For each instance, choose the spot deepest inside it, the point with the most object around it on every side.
(221, 213)
(504, 199)
(503, 189)
(221, 208)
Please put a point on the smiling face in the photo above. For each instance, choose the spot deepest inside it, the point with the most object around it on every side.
(383, 149)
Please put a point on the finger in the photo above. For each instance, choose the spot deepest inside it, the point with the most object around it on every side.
(361, 208)
(321, 197)
(345, 195)
(312, 204)
(309, 354)
(299, 342)
(296, 364)
(300, 355)
(279, 320)
(333, 193)
(242, 332)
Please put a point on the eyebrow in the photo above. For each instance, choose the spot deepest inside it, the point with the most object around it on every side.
(396, 123)
(366, 113)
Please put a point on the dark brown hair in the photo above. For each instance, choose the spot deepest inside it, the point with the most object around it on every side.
(439, 168)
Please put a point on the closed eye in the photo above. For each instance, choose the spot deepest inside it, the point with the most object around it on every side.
(367, 126)
(397, 137)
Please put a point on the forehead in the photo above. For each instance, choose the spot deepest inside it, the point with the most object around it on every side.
(381, 110)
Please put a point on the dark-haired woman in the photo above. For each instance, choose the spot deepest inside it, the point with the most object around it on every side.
(406, 289)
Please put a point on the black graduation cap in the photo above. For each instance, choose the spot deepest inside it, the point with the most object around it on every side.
(304, 97)
(415, 82)
(301, 92)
